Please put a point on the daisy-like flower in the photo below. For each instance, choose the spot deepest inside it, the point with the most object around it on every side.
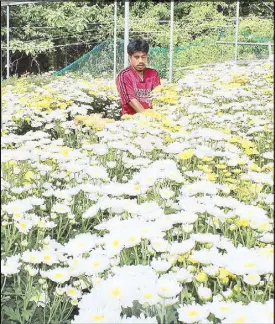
(11, 265)
(72, 292)
(34, 257)
(58, 275)
(252, 279)
(138, 320)
(24, 225)
(160, 265)
(168, 288)
(148, 295)
(192, 313)
(114, 244)
(103, 314)
(95, 264)
(166, 193)
(204, 293)
(222, 309)
(61, 209)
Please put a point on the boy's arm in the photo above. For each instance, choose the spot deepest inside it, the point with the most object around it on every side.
(136, 105)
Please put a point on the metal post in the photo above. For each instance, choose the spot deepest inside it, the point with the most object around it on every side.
(8, 42)
(171, 41)
(126, 32)
(115, 30)
(236, 31)
(269, 51)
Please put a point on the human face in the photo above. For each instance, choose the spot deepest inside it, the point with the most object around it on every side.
(138, 61)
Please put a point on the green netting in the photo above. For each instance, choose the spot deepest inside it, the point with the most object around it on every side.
(99, 62)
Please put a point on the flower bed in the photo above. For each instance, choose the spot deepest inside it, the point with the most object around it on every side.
(161, 217)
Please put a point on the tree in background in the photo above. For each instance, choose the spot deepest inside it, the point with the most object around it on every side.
(51, 35)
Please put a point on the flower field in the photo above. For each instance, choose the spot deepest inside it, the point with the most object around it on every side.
(161, 217)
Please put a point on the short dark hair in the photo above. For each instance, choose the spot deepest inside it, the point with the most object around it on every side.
(137, 45)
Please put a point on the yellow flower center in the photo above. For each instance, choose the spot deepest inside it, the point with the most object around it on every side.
(97, 318)
(47, 257)
(23, 225)
(164, 288)
(147, 295)
(116, 292)
(250, 264)
(59, 275)
(115, 243)
(193, 313)
(224, 308)
(96, 264)
(240, 320)
(71, 291)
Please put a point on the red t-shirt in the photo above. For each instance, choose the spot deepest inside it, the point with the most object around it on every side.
(131, 86)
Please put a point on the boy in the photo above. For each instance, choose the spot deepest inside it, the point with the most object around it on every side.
(136, 82)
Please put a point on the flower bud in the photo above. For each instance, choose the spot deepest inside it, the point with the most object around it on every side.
(201, 277)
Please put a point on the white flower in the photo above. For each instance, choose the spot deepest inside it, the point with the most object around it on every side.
(138, 320)
(58, 275)
(166, 193)
(72, 292)
(252, 279)
(222, 309)
(32, 256)
(11, 265)
(204, 293)
(168, 288)
(95, 264)
(61, 208)
(148, 295)
(182, 247)
(24, 225)
(161, 265)
(192, 313)
(91, 212)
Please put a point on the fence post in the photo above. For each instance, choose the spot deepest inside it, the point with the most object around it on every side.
(237, 31)
(269, 51)
(126, 32)
(115, 32)
(171, 41)
(8, 42)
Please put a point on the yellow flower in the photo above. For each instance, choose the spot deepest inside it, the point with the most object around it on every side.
(168, 139)
(268, 91)
(237, 288)
(255, 167)
(201, 276)
(224, 280)
(224, 273)
(187, 154)
(243, 222)
(221, 166)
(207, 159)
(251, 151)
(181, 258)
(211, 177)
(29, 175)
(65, 150)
